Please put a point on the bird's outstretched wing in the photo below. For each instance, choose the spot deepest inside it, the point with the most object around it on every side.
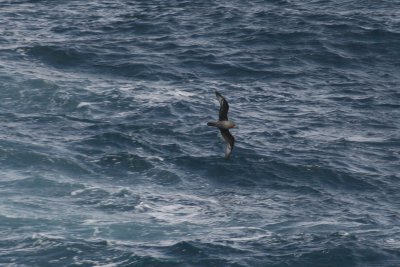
(230, 141)
(224, 107)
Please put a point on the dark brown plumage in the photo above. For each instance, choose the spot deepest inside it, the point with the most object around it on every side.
(224, 124)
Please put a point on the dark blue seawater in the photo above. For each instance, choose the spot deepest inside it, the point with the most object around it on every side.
(106, 159)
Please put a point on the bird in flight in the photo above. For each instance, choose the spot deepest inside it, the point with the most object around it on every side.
(223, 124)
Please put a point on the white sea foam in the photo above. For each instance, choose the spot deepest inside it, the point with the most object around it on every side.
(83, 104)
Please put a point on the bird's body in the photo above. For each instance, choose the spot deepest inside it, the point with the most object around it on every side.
(223, 124)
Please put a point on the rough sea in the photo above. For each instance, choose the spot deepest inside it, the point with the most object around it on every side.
(106, 158)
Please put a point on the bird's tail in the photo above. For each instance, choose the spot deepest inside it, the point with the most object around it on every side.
(211, 124)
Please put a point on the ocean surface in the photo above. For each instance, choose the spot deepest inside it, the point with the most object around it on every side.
(106, 158)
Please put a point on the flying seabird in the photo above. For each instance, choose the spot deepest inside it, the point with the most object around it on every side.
(223, 124)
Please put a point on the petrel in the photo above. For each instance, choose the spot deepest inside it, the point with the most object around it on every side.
(223, 124)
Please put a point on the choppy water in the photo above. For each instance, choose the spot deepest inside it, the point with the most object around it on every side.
(106, 159)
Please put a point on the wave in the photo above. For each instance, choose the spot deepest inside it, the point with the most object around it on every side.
(22, 156)
(60, 55)
(122, 200)
(42, 185)
(44, 248)
(253, 170)
(95, 60)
